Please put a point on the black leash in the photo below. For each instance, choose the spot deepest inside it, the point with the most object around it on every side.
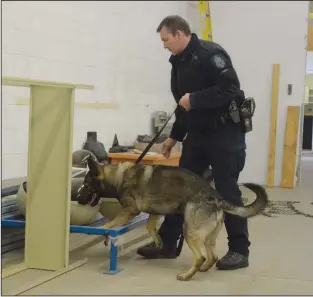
(154, 139)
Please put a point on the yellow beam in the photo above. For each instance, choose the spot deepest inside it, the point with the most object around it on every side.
(205, 19)
(27, 82)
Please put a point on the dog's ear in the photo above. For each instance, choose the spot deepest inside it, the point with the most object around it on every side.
(94, 167)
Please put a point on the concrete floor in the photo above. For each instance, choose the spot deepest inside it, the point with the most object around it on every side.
(280, 262)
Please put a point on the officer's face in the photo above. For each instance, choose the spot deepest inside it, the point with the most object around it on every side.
(172, 42)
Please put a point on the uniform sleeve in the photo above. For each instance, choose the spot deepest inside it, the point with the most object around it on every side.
(178, 132)
(225, 89)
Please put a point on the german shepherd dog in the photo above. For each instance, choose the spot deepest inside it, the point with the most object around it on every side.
(160, 190)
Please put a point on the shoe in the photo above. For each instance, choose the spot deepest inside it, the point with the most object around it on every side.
(151, 251)
(232, 260)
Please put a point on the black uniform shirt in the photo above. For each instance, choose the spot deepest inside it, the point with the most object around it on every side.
(205, 70)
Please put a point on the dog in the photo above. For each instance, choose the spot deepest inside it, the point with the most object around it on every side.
(160, 190)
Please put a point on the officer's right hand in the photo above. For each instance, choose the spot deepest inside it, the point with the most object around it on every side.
(167, 147)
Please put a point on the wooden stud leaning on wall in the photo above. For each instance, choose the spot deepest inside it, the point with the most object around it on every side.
(273, 124)
(205, 20)
(310, 33)
(290, 147)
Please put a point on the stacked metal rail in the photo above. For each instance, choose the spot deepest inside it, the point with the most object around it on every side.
(11, 239)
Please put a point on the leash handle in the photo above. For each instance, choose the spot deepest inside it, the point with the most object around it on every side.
(154, 139)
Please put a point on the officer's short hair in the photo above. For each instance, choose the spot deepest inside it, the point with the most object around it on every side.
(173, 23)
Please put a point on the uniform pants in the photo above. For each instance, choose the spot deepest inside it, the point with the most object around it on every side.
(226, 163)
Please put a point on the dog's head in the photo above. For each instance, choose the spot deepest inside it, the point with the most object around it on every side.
(93, 187)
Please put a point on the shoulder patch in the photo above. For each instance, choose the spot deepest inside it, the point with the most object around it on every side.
(219, 61)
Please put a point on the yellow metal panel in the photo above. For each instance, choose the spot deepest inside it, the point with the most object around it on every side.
(49, 177)
(205, 19)
(27, 82)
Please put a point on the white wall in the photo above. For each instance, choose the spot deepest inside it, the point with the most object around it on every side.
(309, 63)
(112, 45)
(258, 34)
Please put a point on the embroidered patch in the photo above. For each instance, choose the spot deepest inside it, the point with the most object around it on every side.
(218, 61)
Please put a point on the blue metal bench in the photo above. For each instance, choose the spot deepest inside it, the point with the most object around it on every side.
(18, 221)
(93, 229)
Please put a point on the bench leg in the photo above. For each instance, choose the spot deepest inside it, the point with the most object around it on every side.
(113, 259)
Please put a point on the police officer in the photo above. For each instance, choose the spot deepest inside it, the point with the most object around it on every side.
(204, 84)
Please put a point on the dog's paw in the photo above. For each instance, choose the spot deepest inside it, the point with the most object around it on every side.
(207, 265)
(183, 277)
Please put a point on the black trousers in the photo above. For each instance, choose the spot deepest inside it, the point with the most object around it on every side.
(226, 163)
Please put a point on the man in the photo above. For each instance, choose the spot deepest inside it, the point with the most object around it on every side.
(204, 83)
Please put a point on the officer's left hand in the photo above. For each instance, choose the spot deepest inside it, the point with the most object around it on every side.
(185, 102)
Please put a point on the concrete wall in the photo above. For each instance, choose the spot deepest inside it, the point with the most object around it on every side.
(258, 34)
(112, 45)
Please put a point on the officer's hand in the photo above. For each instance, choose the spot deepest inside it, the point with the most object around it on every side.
(185, 102)
(167, 147)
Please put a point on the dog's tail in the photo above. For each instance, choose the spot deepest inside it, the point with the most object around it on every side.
(250, 210)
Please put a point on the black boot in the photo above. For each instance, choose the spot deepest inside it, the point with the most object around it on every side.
(232, 260)
(151, 251)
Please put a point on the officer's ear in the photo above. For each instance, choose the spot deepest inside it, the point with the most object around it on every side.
(178, 34)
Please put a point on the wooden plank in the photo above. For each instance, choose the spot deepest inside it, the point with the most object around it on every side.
(310, 38)
(273, 123)
(310, 33)
(28, 82)
(290, 147)
(49, 177)
(132, 156)
(46, 278)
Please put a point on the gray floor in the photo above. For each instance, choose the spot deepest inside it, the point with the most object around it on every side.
(280, 263)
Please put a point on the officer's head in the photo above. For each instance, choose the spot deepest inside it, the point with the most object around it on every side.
(175, 33)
